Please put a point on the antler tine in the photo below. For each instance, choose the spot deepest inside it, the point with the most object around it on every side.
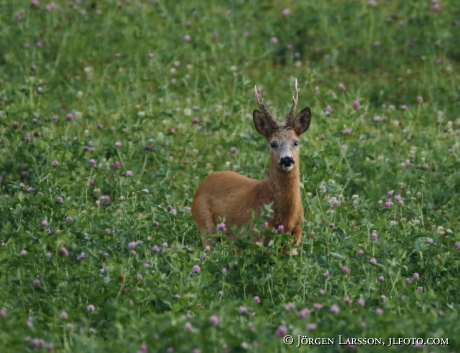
(295, 98)
(264, 110)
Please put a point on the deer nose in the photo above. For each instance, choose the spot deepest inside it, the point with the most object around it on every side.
(287, 162)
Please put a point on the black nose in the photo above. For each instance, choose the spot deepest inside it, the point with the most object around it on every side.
(286, 162)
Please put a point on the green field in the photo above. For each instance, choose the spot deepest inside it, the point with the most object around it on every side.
(111, 114)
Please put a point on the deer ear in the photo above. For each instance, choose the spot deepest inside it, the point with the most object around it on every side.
(302, 121)
(262, 124)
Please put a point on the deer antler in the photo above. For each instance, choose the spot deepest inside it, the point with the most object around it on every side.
(290, 117)
(264, 110)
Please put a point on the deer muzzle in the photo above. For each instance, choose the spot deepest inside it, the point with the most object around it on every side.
(287, 163)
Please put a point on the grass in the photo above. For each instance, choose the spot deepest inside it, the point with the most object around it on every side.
(93, 259)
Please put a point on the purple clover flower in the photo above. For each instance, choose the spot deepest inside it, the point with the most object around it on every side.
(221, 227)
(214, 320)
(281, 331)
(335, 309)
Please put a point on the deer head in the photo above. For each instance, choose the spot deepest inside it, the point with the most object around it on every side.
(283, 139)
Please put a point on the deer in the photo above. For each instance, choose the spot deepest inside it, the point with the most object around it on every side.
(234, 197)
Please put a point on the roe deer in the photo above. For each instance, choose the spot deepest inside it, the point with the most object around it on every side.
(233, 196)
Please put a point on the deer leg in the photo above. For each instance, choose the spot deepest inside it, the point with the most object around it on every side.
(297, 234)
(206, 225)
(296, 239)
(207, 232)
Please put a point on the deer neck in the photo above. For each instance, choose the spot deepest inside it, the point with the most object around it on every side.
(285, 192)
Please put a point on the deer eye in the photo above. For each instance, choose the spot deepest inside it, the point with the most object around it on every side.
(273, 144)
(296, 143)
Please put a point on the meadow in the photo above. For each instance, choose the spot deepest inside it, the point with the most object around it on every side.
(111, 114)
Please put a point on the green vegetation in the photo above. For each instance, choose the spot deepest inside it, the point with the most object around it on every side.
(111, 112)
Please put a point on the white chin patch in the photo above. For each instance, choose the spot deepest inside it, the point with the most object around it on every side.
(287, 169)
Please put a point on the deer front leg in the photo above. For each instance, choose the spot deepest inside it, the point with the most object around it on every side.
(296, 238)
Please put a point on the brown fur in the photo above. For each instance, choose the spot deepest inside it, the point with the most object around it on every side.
(232, 196)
